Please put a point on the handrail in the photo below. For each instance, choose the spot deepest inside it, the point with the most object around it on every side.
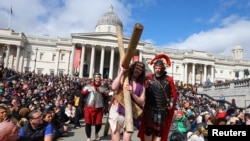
(211, 98)
(14, 77)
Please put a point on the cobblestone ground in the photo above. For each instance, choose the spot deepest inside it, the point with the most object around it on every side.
(79, 134)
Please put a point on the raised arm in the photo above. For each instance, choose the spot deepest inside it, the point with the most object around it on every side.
(118, 80)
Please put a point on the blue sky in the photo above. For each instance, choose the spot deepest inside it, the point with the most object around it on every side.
(214, 26)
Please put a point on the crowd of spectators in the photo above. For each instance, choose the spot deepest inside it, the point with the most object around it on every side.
(57, 99)
(194, 114)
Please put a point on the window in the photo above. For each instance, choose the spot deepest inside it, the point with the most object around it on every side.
(39, 71)
(62, 57)
(26, 70)
(53, 57)
(52, 72)
(177, 69)
(60, 72)
(41, 56)
(28, 55)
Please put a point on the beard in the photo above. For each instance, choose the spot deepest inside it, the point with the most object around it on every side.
(160, 74)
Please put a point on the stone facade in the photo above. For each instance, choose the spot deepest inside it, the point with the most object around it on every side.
(85, 53)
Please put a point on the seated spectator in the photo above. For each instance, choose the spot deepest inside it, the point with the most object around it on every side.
(247, 118)
(8, 131)
(220, 113)
(233, 121)
(36, 129)
(193, 123)
(183, 124)
(60, 112)
(14, 109)
(70, 111)
(23, 112)
(58, 128)
(177, 136)
(3, 113)
(221, 121)
(202, 131)
(210, 120)
(193, 137)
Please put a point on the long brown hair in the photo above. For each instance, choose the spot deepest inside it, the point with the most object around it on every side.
(142, 77)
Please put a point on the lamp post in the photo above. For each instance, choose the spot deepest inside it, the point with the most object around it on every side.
(173, 69)
(200, 75)
(35, 60)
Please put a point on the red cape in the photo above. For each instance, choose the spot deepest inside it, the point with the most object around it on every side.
(164, 137)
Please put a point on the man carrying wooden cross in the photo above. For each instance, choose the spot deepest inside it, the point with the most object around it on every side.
(136, 76)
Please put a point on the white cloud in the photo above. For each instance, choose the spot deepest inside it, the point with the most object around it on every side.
(219, 40)
(47, 17)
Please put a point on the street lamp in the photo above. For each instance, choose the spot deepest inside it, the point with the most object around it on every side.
(173, 69)
(200, 75)
(35, 60)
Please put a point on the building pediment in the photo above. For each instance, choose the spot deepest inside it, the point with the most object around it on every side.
(98, 36)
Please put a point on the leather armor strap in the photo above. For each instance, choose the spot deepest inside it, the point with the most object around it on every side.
(165, 93)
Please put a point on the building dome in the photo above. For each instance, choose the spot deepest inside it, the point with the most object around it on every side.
(107, 20)
(237, 47)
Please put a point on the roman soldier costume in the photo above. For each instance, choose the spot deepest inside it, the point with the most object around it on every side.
(160, 101)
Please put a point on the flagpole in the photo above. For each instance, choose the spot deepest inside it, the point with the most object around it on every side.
(10, 13)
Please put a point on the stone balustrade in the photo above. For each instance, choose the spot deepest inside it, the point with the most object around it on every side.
(237, 89)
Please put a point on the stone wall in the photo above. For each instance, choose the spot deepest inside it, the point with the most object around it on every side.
(239, 90)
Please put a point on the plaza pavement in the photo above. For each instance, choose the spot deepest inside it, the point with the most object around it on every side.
(79, 134)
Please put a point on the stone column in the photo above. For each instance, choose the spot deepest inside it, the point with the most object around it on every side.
(92, 62)
(6, 59)
(68, 68)
(102, 60)
(21, 68)
(140, 55)
(111, 67)
(193, 73)
(57, 61)
(82, 61)
(17, 58)
(185, 73)
(205, 73)
(212, 74)
(72, 58)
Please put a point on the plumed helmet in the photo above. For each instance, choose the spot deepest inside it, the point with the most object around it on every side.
(97, 74)
(161, 59)
(159, 62)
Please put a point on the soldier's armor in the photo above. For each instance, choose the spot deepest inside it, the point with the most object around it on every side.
(158, 93)
(94, 98)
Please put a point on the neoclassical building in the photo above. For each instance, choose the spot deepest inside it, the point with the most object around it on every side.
(86, 53)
